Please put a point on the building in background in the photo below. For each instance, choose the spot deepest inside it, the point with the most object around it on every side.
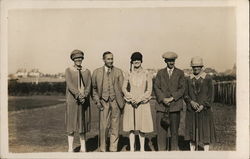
(34, 73)
(21, 73)
(35, 76)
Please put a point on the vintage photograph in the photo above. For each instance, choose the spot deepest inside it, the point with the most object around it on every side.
(85, 80)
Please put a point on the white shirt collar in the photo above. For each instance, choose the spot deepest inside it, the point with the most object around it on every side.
(172, 69)
(106, 68)
(201, 75)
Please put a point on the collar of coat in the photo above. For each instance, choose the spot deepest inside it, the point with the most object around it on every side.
(172, 69)
(201, 75)
(106, 68)
(166, 69)
(75, 69)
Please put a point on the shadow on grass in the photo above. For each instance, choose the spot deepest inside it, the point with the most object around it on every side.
(123, 144)
(91, 145)
(183, 144)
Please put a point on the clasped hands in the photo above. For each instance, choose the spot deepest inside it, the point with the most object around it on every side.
(135, 102)
(167, 101)
(197, 106)
(99, 106)
(81, 99)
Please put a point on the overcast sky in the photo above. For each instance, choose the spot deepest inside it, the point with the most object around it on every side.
(43, 39)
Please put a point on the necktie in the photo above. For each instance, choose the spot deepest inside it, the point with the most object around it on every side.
(170, 73)
(109, 70)
(81, 84)
(79, 78)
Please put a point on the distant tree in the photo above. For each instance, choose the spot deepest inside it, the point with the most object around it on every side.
(210, 70)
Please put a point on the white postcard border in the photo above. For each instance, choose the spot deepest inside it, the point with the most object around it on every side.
(242, 144)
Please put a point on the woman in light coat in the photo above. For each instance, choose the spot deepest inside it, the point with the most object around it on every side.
(137, 88)
(78, 85)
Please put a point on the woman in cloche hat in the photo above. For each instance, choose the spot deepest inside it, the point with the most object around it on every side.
(137, 88)
(200, 128)
(78, 84)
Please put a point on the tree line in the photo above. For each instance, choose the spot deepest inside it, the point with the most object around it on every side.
(224, 89)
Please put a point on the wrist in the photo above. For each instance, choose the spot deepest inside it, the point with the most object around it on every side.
(77, 95)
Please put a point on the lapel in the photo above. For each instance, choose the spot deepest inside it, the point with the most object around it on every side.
(112, 74)
(81, 79)
(166, 76)
(199, 79)
(173, 74)
(101, 77)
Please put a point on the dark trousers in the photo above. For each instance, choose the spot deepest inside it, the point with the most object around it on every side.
(172, 131)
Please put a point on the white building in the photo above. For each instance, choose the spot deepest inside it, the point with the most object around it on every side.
(21, 73)
(34, 73)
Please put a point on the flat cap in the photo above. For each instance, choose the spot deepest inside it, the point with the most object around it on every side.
(169, 55)
(76, 54)
(196, 61)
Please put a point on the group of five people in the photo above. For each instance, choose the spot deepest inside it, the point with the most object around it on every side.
(115, 93)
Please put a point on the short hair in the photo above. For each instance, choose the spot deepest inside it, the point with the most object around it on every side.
(106, 53)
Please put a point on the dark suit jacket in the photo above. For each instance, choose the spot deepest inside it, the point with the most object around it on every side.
(117, 80)
(165, 88)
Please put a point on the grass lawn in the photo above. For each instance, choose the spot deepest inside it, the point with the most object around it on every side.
(29, 102)
(43, 129)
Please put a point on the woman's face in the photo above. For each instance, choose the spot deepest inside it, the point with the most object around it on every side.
(137, 63)
(196, 69)
(78, 61)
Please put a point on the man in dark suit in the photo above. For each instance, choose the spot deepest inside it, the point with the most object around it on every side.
(169, 89)
(107, 93)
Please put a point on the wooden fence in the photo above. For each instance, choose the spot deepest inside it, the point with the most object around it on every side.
(225, 92)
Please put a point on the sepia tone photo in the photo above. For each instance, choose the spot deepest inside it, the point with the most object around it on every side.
(122, 79)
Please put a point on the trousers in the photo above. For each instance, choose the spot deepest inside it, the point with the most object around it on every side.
(172, 131)
(109, 123)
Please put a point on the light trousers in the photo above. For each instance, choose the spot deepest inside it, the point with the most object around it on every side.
(109, 122)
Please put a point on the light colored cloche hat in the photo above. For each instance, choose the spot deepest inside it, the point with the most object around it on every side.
(169, 55)
(76, 54)
(196, 61)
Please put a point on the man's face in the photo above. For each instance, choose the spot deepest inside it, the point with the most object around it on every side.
(196, 69)
(108, 60)
(170, 63)
(78, 61)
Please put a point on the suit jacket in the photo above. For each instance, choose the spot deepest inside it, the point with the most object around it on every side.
(166, 87)
(117, 80)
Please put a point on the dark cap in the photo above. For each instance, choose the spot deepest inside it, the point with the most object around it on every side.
(136, 56)
(76, 54)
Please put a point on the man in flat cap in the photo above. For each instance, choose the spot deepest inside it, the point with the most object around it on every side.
(107, 84)
(169, 87)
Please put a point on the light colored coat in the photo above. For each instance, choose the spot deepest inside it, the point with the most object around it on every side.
(77, 115)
